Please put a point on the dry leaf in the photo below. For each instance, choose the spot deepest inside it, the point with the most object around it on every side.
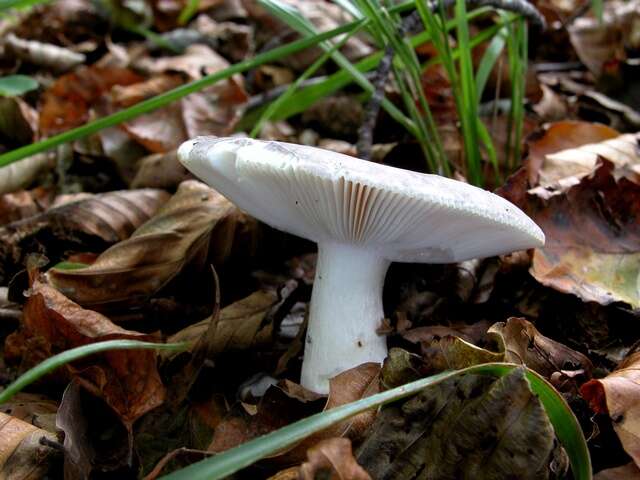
(526, 345)
(38, 410)
(156, 252)
(626, 472)
(127, 380)
(160, 170)
(67, 103)
(23, 204)
(20, 174)
(599, 42)
(22, 456)
(332, 459)
(92, 223)
(618, 396)
(466, 427)
(41, 54)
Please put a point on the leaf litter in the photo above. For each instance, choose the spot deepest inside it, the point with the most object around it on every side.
(109, 237)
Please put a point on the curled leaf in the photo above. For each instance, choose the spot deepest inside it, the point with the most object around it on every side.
(155, 253)
(332, 459)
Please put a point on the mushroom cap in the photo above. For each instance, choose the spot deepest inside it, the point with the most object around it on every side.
(330, 197)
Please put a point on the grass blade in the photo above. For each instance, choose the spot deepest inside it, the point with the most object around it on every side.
(50, 364)
(564, 422)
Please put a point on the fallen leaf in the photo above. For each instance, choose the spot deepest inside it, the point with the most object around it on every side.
(68, 102)
(20, 174)
(18, 122)
(525, 345)
(23, 204)
(626, 472)
(243, 325)
(160, 170)
(127, 380)
(95, 440)
(332, 459)
(618, 396)
(21, 453)
(46, 55)
(599, 42)
(37, 410)
(465, 427)
(160, 131)
(92, 223)
(136, 268)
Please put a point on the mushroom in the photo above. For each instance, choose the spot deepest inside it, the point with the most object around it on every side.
(363, 216)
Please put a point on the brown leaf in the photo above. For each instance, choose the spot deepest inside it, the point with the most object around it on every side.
(526, 345)
(127, 380)
(465, 427)
(92, 223)
(242, 325)
(601, 42)
(160, 170)
(630, 471)
(160, 131)
(24, 203)
(67, 103)
(22, 456)
(156, 252)
(332, 459)
(618, 396)
(38, 410)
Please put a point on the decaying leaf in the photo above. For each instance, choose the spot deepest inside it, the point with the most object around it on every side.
(160, 170)
(44, 54)
(24, 203)
(67, 103)
(156, 252)
(332, 459)
(21, 453)
(599, 42)
(465, 427)
(127, 380)
(20, 174)
(618, 396)
(92, 223)
(591, 223)
(35, 409)
(241, 326)
(630, 471)
(524, 344)
(451, 352)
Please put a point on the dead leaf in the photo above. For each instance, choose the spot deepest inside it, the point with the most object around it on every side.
(243, 325)
(92, 223)
(160, 170)
(20, 174)
(466, 427)
(599, 42)
(42, 54)
(156, 252)
(127, 380)
(160, 131)
(618, 396)
(68, 102)
(197, 61)
(37, 410)
(18, 122)
(525, 345)
(23, 204)
(593, 239)
(626, 472)
(332, 459)
(21, 453)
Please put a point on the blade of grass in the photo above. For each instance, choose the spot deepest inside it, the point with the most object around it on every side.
(562, 418)
(298, 22)
(50, 364)
(163, 99)
(189, 10)
(282, 99)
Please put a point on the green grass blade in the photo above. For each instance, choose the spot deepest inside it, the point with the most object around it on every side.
(50, 364)
(7, 4)
(189, 10)
(489, 59)
(564, 422)
(165, 98)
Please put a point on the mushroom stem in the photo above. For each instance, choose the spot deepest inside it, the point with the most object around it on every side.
(345, 314)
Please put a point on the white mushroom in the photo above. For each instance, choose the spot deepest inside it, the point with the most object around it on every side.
(363, 216)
